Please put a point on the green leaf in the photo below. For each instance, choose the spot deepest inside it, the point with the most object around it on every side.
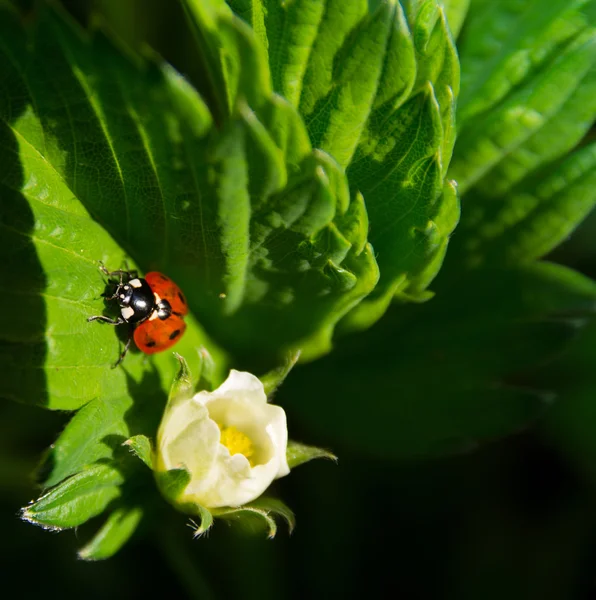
(456, 11)
(232, 60)
(377, 92)
(534, 218)
(209, 46)
(90, 436)
(404, 182)
(149, 165)
(280, 208)
(507, 43)
(302, 274)
(297, 454)
(445, 222)
(569, 427)
(338, 118)
(98, 430)
(440, 377)
(140, 446)
(77, 499)
(438, 64)
(64, 187)
(544, 117)
(520, 116)
(400, 166)
(114, 533)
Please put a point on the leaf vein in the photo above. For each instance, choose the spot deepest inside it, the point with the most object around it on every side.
(101, 119)
(41, 240)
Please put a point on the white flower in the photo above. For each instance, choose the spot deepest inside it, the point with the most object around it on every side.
(231, 441)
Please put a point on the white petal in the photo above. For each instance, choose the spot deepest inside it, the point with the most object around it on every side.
(177, 417)
(277, 429)
(242, 386)
(236, 483)
(192, 443)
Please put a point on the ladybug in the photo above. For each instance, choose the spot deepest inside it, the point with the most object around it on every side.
(153, 307)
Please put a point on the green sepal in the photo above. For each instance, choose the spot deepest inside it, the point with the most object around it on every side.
(250, 518)
(140, 446)
(182, 386)
(259, 513)
(204, 514)
(277, 508)
(172, 483)
(208, 370)
(297, 454)
(274, 378)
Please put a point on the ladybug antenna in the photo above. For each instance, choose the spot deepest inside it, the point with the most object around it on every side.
(102, 268)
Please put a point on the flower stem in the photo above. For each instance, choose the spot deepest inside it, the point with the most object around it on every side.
(180, 560)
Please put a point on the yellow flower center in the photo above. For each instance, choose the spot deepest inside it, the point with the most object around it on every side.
(236, 442)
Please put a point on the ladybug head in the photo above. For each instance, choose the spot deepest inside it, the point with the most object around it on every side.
(123, 294)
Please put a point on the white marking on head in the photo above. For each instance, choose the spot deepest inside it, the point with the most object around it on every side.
(127, 312)
(153, 315)
(157, 298)
(136, 283)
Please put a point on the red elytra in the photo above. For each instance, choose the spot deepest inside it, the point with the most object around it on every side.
(155, 335)
(153, 306)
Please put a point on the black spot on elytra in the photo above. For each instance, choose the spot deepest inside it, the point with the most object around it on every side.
(163, 277)
(150, 344)
(182, 298)
(174, 334)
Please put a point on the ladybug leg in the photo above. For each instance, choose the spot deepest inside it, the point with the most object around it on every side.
(123, 354)
(120, 273)
(134, 274)
(108, 298)
(118, 321)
